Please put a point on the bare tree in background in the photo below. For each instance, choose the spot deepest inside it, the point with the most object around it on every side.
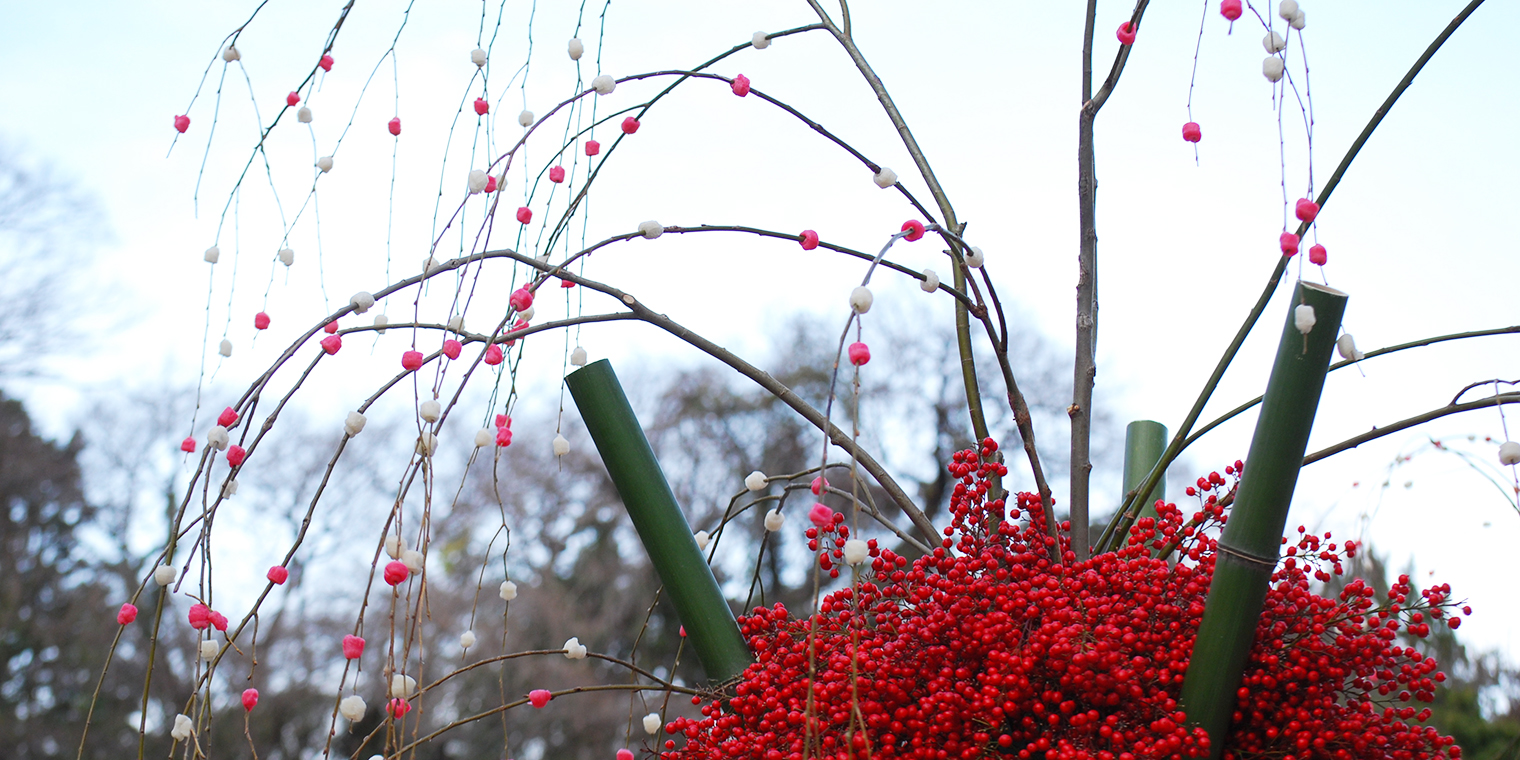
(47, 229)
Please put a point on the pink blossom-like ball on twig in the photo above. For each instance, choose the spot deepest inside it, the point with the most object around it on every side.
(1288, 242)
(821, 515)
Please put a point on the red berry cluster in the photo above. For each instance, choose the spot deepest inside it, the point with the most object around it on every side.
(834, 533)
(984, 648)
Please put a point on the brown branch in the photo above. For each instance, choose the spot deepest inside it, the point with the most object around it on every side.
(1405, 424)
(1227, 416)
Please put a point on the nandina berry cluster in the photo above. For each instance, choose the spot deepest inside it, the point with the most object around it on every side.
(985, 648)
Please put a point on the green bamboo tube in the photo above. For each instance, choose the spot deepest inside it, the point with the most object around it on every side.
(1248, 549)
(689, 582)
(1144, 442)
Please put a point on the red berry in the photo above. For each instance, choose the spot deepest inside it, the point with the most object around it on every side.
(1230, 9)
(524, 214)
(593, 147)
(630, 125)
(493, 355)
(557, 174)
(326, 63)
(398, 708)
(809, 240)
(250, 699)
(217, 620)
(200, 617)
(127, 614)
(331, 344)
(394, 126)
(1318, 255)
(481, 107)
(1288, 242)
(1126, 33)
(353, 646)
(292, 99)
(277, 575)
(914, 228)
(331, 328)
(1192, 132)
(181, 123)
(491, 184)
(859, 354)
(188, 445)
(539, 697)
(261, 321)
(451, 348)
(740, 85)
(236, 454)
(411, 361)
(227, 418)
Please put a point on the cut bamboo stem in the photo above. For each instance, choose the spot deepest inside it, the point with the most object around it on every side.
(1248, 549)
(709, 623)
(1144, 442)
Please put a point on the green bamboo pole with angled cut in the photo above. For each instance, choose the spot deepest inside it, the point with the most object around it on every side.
(710, 624)
(1248, 549)
(1144, 442)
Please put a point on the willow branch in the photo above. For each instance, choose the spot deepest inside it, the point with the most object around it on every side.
(1405, 424)
(1227, 416)
(947, 215)
(1129, 509)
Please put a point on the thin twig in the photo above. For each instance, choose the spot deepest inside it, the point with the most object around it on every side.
(1405, 424)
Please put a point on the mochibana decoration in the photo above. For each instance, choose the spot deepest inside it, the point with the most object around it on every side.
(985, 649)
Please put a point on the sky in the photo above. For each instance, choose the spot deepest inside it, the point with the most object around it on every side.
(1418, 230)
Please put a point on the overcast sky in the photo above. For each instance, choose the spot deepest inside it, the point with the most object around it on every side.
(1420, 232)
